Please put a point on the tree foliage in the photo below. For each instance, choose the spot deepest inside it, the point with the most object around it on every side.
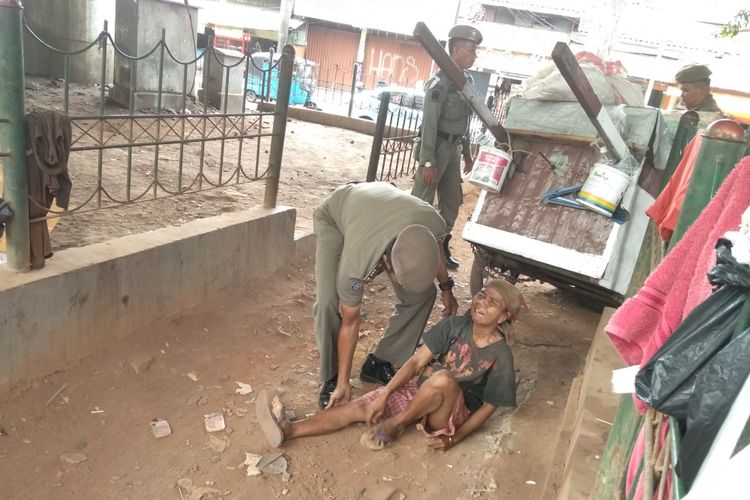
(732, 28)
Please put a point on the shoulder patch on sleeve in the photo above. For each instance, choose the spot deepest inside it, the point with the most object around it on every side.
(357, 287)
(435, 93)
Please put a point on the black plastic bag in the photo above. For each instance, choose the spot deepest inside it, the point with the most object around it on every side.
(6, 214)
(667, 381)
(716, 388)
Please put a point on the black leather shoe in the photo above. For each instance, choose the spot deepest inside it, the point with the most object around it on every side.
(325, 392)
(376, 371)
(450, 262)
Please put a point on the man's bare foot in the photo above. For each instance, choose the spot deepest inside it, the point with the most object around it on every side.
(270, 426)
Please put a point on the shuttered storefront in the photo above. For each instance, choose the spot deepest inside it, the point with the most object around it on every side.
(336, 52)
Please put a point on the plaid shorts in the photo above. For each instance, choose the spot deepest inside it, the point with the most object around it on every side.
(400, 399)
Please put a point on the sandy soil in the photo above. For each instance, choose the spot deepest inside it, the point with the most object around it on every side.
(188, 366)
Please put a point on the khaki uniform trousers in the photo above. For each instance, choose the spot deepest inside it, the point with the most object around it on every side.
(448, 184)
(407, 321)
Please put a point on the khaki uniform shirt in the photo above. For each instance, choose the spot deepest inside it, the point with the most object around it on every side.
(708, 104)
(444, 110)
(370, 216)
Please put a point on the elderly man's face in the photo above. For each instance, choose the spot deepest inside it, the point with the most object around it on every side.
(693, 93)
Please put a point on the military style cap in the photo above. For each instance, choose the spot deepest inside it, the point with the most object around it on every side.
(692, 73)
(465, 32)
(414, 257)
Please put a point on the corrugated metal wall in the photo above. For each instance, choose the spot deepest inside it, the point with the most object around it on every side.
(392, 61)
(396, 62)
(336, 52)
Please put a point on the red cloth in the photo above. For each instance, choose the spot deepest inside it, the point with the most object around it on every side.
(402, 397)
(666, 209)
(607, 67)
(644, 322)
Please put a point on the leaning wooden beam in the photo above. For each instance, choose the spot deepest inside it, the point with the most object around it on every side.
(425, 37)
(568, 65)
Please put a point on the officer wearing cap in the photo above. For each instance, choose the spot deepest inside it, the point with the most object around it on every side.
(445, 123)
(363, 230)
(695, 86)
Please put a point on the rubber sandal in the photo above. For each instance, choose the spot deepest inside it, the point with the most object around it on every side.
(268, 423)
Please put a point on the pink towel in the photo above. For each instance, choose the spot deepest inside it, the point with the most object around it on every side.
(644, 322)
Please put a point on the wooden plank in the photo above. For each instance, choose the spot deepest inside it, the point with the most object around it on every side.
(573, 74)
(519, 133)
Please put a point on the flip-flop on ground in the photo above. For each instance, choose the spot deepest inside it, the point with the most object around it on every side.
(268, 423)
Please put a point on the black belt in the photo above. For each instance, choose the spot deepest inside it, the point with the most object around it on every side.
(449, 137)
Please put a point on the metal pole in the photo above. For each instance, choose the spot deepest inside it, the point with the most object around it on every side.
(354, 88)
(13, 134)
(377, 140)
(286, 65)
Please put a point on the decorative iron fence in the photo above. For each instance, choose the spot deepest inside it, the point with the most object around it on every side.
(398, 121)
(120, 158)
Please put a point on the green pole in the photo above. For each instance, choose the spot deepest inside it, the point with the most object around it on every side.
(13, 134)
(286, 67)
(716, 158)
(686, 130)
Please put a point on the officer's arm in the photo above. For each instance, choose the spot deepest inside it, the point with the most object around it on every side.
(450, 304)
(348, 335)
(433, 102)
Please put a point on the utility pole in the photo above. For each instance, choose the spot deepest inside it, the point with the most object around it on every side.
(285, 9)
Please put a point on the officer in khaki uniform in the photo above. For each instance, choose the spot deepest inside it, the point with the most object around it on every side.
(363, 230)
(695, 86)
(445, 123)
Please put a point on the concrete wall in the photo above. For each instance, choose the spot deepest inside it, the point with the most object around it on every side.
(86, 297)
(68, 25)
(137, 31)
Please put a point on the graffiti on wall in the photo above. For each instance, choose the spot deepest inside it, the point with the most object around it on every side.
(393, 68)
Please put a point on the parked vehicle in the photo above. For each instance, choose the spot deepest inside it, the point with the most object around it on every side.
(304, 79)
(406, 105)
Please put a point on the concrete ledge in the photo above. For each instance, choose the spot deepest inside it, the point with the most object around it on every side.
(323, 118)
(304, 246)
(587, 422)
(86, 297)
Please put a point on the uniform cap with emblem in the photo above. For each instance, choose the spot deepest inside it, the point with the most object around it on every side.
(692, 73)
(414, 258)
(465, 32)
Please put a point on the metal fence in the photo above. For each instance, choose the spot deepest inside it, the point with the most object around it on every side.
(120, 157)
(346, 91)
(398, 124)
(398, 121)
(166, 152)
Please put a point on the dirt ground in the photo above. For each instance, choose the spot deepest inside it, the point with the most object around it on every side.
(93, 439)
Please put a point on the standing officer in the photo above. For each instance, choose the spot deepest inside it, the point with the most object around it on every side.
(445, 123)
(695, 86)
(363, 230)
